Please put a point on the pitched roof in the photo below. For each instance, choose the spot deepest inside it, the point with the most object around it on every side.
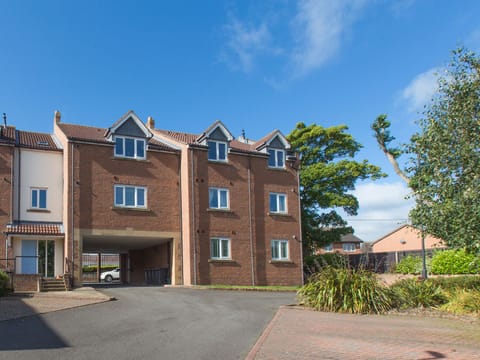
(86, 133)
(34, 140)
(350, 238)
(191, 139)
(97, 135)
(7, 134)
(35, 229)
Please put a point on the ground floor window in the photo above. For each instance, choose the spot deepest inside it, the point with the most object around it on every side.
(220, 249)
(280, 250)
(38, 257)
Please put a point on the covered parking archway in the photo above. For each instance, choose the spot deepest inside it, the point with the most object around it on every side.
(143, 260)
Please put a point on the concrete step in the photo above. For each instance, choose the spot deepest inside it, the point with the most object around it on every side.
(53, 285)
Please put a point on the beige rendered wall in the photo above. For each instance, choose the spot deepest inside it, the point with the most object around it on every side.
(406, 238)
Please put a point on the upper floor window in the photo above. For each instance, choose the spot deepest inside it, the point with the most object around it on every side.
(217, 151)
(278, 203)
(39, 198)
(276, 158)
(129, 147)
(349, 247)
(328, 248)
(218, 198)
(220, 249)
(280, 250)
(130, 196)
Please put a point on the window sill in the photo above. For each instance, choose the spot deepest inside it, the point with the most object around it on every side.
(130, 209)
(281, 262)
(221, 261)
(219, 210)
(220, 162)
(274, 168)
(130, 159)
(278, 214)
(39, 210)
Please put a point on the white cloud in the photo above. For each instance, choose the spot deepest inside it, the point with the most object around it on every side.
(244, 42)
(421, 90)
(319, 27)
(383, 208)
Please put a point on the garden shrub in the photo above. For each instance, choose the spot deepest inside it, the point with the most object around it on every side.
(455, 261)
(413, 293)
(4, 283)
(316, 263)
(410, 264)
(456, 283)
(463, 302)
(345, 290)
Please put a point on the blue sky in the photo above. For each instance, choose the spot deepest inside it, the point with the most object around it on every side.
(255, 65)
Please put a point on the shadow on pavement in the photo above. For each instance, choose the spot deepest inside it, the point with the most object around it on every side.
(27, 332)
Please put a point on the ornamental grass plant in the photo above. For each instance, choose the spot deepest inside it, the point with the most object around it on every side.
(347, 291)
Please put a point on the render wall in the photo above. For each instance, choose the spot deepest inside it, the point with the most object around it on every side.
(5, 198)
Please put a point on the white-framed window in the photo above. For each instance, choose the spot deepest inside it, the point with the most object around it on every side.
(129, 147)
(276, 158)
(280, 250)
(220, 249)
(349, 247)
(130, 196)
(278, 203)
(217, 150)
(218, 198)
(328, 248)
(38, 198)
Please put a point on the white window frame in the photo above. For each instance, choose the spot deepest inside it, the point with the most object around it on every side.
(217, 150)
(275, 153)
(219, 205)
(38, 190)
(135, 142)
(277, 196)
(123, 204)
(349, 247)
(328, 248)
(219, 241)
(276, 247)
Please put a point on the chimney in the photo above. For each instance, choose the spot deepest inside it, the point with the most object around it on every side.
(57, 116)
(150, 123)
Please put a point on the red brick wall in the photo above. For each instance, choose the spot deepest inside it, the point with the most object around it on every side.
(234, 224)
(24, 282)
(96, 171)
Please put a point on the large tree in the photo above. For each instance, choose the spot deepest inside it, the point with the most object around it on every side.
(444, 167)
(327, 175)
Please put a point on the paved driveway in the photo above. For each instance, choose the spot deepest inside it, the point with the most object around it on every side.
(147, 323)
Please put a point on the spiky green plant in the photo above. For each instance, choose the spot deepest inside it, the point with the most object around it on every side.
(345, 290)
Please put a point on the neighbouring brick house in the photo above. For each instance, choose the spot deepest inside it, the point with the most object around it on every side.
(348, 244)
(179, 208)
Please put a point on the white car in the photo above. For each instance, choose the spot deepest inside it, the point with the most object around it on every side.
(109, 276)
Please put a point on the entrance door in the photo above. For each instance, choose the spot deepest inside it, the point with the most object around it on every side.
(29, 256)
(46, 258)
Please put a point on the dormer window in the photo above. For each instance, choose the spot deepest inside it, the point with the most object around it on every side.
(217, 150)
(129, 147)
(276, 158)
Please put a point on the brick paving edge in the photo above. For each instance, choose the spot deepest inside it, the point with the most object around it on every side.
(258, 345)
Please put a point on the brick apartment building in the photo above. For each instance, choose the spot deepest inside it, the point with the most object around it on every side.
(196, 209)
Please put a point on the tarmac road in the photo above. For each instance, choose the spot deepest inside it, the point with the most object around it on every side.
(146, 323)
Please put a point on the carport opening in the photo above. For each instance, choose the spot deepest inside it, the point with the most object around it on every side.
(133, 261)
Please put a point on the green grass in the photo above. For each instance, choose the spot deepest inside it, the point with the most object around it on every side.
(245, 287)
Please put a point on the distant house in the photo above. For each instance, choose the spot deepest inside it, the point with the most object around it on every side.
(405, 239)
(348, 244)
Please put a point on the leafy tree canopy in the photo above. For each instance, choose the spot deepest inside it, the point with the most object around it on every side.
(327, 175)
(444, 167)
